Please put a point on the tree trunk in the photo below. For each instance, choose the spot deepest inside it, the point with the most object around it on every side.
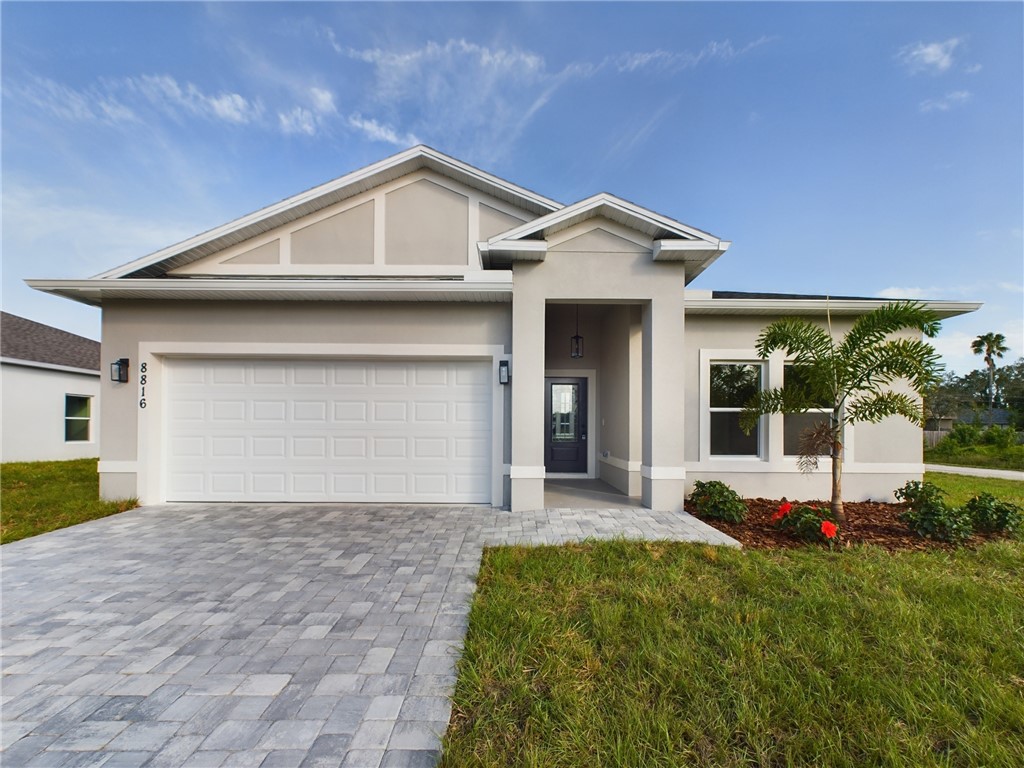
(837, 476)
(991, 390)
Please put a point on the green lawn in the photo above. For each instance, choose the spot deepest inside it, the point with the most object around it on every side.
(989, 456)
(41, 496)
(961, 488)
(634, 654)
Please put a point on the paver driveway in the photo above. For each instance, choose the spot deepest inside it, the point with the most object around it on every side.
(256, 635)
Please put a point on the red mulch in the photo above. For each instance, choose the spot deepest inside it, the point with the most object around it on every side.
(868, 522)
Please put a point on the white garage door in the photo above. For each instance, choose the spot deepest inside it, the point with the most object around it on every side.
(339, 430)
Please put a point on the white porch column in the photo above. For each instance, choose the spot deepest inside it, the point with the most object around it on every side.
(527, 472)
(662, 471)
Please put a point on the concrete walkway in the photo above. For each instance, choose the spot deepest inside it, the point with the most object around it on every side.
(1005, 474)
(256, 635)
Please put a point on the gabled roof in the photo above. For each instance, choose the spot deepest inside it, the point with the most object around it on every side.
(295, 207)
(673, 240)
(27, 340)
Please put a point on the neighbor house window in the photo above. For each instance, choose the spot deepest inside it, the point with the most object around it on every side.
(795, 424)
(732, 386)
(77, 413)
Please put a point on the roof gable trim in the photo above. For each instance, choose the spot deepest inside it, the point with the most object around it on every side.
(260, 221)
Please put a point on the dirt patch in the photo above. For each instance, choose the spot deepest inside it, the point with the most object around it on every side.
(868, 522)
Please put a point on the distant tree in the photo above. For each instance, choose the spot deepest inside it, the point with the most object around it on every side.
(946, 398)
(1010, 384)
(991, 345)
(850, 377)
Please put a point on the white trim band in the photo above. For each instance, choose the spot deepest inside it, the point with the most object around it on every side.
(527, 473)
(117, 467)
(615, 461)
(663, 473)
(48, 366)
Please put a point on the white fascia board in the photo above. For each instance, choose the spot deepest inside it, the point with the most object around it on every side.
(49, 366)
(94, 290)
(688, 250)
(521, 250)
(702, 306)
(349, 179)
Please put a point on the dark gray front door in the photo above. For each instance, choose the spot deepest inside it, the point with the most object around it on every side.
(565, 442)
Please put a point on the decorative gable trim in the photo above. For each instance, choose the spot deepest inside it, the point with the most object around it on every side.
(323, 196)
(672, 240)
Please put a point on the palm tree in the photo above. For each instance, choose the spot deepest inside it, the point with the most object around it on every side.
(850, 377)
(992, 345)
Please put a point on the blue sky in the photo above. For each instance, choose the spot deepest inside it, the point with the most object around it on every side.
(869, 149)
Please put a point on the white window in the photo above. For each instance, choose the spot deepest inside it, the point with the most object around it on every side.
(795, 424)
(77, 415)
(731, 387)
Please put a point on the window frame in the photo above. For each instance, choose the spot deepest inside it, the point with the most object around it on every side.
(712, 357)
(87, 419)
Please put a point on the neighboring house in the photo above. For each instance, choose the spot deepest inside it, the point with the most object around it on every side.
(50, 388)
(982, 416)
(405, 334)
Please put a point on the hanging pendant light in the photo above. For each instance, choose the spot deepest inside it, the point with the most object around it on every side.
(576, 342)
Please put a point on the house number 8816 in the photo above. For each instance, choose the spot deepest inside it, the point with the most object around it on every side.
(142, 386)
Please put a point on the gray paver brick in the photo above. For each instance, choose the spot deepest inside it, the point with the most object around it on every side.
(205, 635)
(234, 735)
(291, 734)
(145, 737)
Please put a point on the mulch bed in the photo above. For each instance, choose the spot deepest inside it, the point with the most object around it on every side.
(868, 522)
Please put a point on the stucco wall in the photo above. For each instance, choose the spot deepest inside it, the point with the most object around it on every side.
(626, 276)
(126, 325)
(879, 457)
(420, 223)
(33, 414)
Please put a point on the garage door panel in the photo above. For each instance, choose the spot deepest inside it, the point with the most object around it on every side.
(395, 431)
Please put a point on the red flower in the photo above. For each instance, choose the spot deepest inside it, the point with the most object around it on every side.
(784, 509)
(829, 529)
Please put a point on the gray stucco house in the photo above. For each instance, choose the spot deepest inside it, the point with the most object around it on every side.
(405, 333)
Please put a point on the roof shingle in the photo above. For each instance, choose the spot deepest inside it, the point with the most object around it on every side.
(24, 339)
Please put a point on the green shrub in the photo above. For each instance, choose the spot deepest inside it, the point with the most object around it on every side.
(929, 515)
(718, 501)
(807, 523)
(992, 515)
(1001, 437)
(964, 435)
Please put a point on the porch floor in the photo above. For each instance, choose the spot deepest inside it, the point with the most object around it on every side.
(586, 494)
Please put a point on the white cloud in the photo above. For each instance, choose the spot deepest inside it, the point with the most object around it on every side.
(945, 103)
(323, 101)
(477, 99)
(934, 58)
(297, 121)
(673, 61)
(71, 105)
(973, 69)
(167, 94)
(377, 132)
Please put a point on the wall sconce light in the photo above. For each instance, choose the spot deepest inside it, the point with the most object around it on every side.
(504, 374)
(576, 342)
(119, 370)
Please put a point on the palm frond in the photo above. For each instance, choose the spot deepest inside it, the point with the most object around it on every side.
(776, 400)
(875, 326)
(815, 441)
(801, 340)
(876, 406)
(871, 367)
